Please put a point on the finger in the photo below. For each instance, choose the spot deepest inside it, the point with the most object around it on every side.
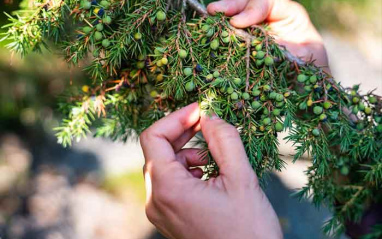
(229, 7)
(254, 13)
(197, 172)
(226, 148)
(186, 137)
(157, 141)
(191, 158)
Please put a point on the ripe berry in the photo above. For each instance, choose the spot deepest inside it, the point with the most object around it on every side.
(183, 54)
(99, 27)
(138, 36)
(302, 78)
(215, 44)
(106, 20)
(187, 71)
(256, 105)
(190, 86)
(318, 110)
(260, 55)
(316, 132)
(98, 36)
(269, 61)
(164, 61)
(105, 43)
(266, 121)
(279, 127)
(234, 96)
(161, 16)
(246, 96)
(87, 29)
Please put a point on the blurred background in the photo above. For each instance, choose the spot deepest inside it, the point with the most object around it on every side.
(95, 189)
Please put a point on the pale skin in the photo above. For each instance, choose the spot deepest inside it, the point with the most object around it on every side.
(231, 205)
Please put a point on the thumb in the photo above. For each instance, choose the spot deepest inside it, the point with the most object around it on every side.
(229, 7)
(255, 12)
(226, 147)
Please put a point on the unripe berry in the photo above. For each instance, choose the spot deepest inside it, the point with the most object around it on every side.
(234, 96)
(309, 103)
(225, 34)
(269, 61)
(256, 92)
(209, 77)
(106, 20)
(87, 29)
(98, 36)
(260, 55)
(230, 90)
(266, 121)
(279, 97)
(183, 54)
(246, 96)
(216, 74)
(161, 16)
(316, 132)
(318, 110)
(187, 71)
(355, 100)
(160, 77)
(266, 88)
(105, 43)
(237, 81)
(215, 44)
(256, 105)
(279, 127)
(372, 99)
(141, 64)
(368, 110)
(99, 27)
(323, 117)
(379, 128)
(164, 61)
(276, 112)
(190, 86)
(105, 4)
(327, 105)
(302, 78)
(259, 47)
(138, 36)
(302, 106)
(86, 5)
(313, 79)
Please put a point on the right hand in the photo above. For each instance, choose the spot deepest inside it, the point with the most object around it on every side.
(180, 205)
(288, 20)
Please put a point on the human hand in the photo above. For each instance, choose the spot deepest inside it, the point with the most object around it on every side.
(288, 20)
(181, 205)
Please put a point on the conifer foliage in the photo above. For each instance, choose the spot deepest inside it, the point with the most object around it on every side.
(148, 58)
